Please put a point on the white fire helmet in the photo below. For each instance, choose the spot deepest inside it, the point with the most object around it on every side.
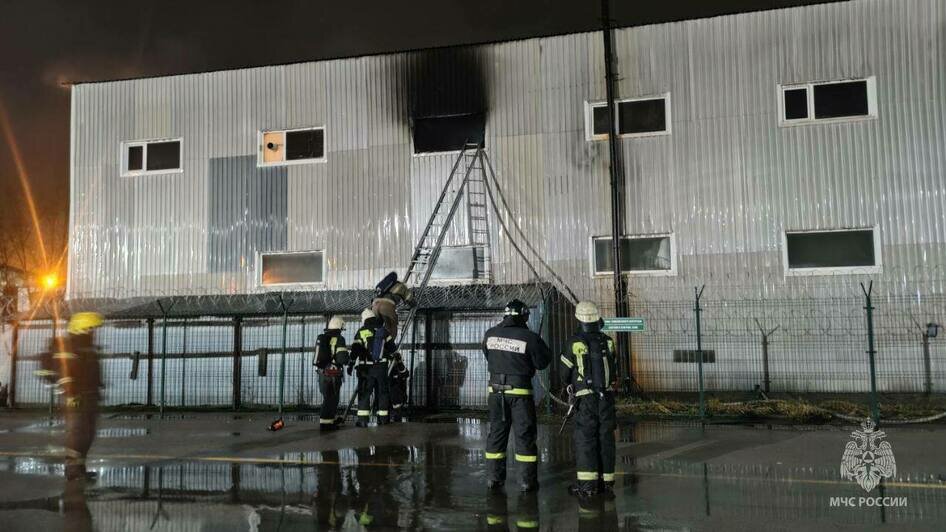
(366, 314)
(587, 312)
(336, 323)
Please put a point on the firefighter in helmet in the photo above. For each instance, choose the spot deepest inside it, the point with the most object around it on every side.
(372, 351)
(589, 371)
(331, 358)
(513, 355)
(72, 364)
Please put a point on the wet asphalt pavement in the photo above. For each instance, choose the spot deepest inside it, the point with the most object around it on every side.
(210, 472)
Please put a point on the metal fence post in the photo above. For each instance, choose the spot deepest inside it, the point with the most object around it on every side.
(149, 400)
(164, 352)
(237, 382)
(282, 358)
(871, 352)
(14, 355)
(927, 365)
(410, 375)
(429, 359)
(301, 395)
(766, 381)
(184, 365)
(698, 293)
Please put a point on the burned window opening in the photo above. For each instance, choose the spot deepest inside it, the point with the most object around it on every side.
(437, 134)
(291, 268)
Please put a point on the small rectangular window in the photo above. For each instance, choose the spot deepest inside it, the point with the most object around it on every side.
(292, 146)
(151, 157)
(796, 104)
(834, 100)
(306, 267)
(847, 251)
(136, 158)
(642, 116)
(639, 254)
(634, 117)
(461, 263)
(438, 134)
(600, 118)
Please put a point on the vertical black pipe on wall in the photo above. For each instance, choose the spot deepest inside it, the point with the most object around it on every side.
(617, 199)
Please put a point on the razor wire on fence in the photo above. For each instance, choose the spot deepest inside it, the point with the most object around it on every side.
(792, 335)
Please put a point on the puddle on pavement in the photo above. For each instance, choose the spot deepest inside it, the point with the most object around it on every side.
(439, 485)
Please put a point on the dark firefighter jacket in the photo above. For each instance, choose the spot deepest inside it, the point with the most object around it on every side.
(73, 365)
(514, 354)
(372, 344)
(332, 354)
(589, 362)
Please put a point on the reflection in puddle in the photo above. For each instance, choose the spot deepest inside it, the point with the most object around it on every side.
(440, 485)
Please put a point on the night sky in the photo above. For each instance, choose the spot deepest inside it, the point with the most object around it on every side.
(47, 43)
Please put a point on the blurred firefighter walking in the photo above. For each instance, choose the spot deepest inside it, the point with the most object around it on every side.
(72, 365)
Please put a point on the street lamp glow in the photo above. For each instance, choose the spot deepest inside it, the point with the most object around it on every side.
(50, 281)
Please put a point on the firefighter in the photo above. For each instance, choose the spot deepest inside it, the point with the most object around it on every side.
(398, 373)
(331, 357)
(390, 293)
(513, 355)
(372, 350)
(589, 372)
(73, 365)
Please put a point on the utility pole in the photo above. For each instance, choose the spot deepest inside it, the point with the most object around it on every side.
(617, 200)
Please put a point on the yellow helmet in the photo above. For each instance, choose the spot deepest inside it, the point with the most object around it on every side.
(84, 322)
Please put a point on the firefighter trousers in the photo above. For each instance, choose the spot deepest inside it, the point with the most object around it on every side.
(81, 415)
(594, 439)
(514, 413)
(330, 386)
(398, 398)
(375, 382)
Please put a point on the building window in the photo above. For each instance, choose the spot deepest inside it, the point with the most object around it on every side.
(460, 263)
(292, 268)
(648, 254)
(636, 117)
(827, 252)
(440, 134)
(292, 146)
(828, 101)
(151, 157)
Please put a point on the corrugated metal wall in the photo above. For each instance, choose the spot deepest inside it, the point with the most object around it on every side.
(728, 182)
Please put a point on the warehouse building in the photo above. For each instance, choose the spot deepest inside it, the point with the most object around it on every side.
(780, 158)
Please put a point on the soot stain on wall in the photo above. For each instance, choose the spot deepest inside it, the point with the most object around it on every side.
(446, 92)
